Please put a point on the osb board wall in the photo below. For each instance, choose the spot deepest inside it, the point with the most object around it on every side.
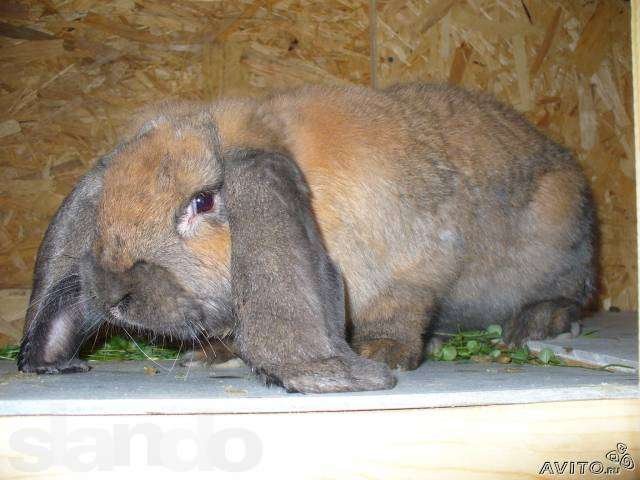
(72, 72)
(566, 65)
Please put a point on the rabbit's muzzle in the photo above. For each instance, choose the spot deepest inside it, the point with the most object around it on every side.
(145, 296)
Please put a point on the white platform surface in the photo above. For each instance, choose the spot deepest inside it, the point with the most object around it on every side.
(127, 388)
(615, 341)
(124, 388)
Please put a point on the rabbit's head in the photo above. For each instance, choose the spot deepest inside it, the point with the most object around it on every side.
(160, 256)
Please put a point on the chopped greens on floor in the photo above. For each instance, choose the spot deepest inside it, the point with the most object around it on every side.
(116, 348)
(487, 346)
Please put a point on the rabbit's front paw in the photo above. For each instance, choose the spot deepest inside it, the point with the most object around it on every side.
(334, 374)
(75, 365)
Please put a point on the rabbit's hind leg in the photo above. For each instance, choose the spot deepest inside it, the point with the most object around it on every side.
(391, 330)
(540, 320)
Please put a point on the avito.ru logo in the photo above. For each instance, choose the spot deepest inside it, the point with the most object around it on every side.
(619, 457)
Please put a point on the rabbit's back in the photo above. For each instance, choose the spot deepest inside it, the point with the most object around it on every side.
(430, 188)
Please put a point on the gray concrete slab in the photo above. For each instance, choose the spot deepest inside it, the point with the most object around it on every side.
(614, 343)
(126, 388)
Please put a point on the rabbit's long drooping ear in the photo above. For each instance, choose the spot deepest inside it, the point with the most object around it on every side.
(287, 295)
(58, 320)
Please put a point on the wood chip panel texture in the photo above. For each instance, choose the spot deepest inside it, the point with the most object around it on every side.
(74, 72)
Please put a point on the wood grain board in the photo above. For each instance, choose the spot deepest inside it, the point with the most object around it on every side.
(488, 443)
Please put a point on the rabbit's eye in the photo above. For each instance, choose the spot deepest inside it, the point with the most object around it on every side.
(192, 216)
(202, 202)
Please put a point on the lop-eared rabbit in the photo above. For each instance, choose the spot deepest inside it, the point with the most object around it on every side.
(326, 227)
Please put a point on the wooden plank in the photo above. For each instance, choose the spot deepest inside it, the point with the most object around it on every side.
(635, 54)
(493, 442)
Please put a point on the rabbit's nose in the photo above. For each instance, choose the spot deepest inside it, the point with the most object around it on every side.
(117, 298)
(114, 289)
(119, 308)
(122, 303)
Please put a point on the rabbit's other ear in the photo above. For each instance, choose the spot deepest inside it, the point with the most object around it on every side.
(288, 297)
(58, 320)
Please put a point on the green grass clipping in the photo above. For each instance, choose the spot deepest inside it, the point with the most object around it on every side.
(487, 346)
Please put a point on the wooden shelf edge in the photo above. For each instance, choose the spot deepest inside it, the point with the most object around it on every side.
(489, 442)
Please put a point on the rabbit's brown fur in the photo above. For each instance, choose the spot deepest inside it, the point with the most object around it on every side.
(433, 202)
(456, 163)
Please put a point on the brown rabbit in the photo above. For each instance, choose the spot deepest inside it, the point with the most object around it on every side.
(291, 218)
